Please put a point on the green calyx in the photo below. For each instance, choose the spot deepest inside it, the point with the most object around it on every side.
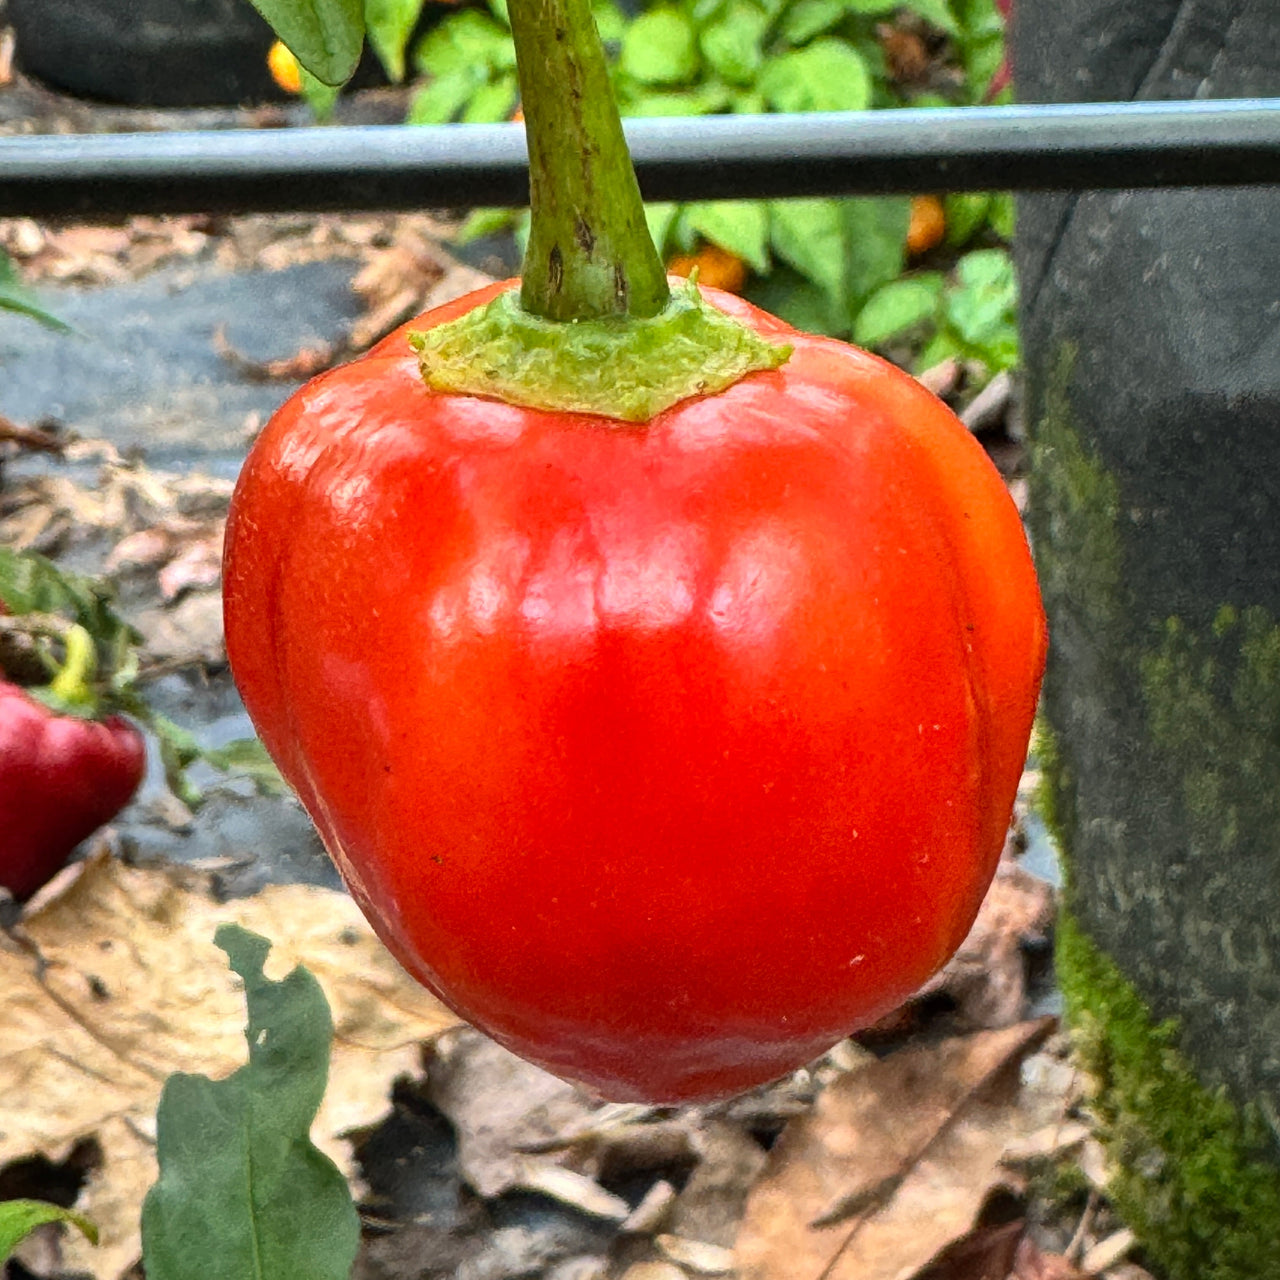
(619, 367)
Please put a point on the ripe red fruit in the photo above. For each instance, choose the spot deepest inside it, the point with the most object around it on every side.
(667, 755)
(61, 778)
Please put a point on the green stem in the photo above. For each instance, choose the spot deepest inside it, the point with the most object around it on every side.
(590, 255)
(71, 684)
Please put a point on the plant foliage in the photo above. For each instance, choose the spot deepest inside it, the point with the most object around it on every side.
(243, 1193)
(19, 1218)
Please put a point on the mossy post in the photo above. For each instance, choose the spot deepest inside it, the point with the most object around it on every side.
(1151, 326)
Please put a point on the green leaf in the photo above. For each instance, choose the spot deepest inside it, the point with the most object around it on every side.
(243, 1194)
(702, 100)
(942, 346)
(611, 22)
(178, 749)
(801, 303)
(827, 75)
(937, 13)
(31, 584)
(389, 24)
(660, 47)
(809, 235)
(731, 44)
(740, 226)
(897, 307)
(966, 214)
(872, 8)
(481, 223)
(19, 1218)
(985, 298)
(442, 99)
(811, 18)
(982, 59)
(466, 43)
(326, 36)
(492, 102)
(660, 217)
(1002, 214)
(875, 230)
(320, 97)
(247, 758)
(15, 296)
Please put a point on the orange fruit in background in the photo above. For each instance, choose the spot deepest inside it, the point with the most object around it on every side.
(927, 226)
(284, 68)
(717, 268)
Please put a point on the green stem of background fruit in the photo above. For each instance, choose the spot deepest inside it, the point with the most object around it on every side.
(590, 255)
(71, 684)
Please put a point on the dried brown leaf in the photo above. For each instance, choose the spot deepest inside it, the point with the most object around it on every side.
(1108, 1252)
(189, 632)
(501, 1107)
(698, 1256)
(894, 1161)
(987, 977)
(1031, 1263)
(711, 1205)
(197, 564)
(986, 1253)
(114, 983)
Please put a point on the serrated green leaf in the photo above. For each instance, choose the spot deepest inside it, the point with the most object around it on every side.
(897, 307)
(809, 236)
(872, 8)
(389, 24)
(875, 231)
(19, 1218)
(660, 48)
(731, 44)
(15, 296)
(326, 36)
(465, 43)
(442, 100)
(739, 226)
(811, 18)
(937, 13)
(243, 1194)
(827, 75)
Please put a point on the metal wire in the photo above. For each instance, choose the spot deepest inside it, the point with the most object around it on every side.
(1024, 148)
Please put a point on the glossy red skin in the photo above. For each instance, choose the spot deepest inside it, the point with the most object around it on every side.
(666, 755)
(61, 778)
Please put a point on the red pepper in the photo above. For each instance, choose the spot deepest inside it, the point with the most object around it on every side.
(61, 778)
(659, 677)
(666, 755)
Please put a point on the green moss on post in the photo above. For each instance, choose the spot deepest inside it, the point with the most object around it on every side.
(1189, 1170)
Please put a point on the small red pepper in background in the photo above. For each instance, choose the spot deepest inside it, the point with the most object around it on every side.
(61, 778)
